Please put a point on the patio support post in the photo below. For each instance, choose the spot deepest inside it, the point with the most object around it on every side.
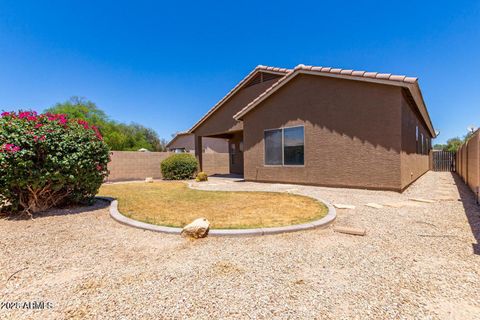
(198, 151)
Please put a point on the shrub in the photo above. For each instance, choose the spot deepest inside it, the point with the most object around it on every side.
(48, 160)
(179, 166)
(201, 176)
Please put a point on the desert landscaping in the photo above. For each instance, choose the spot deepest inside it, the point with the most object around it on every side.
(417, 260)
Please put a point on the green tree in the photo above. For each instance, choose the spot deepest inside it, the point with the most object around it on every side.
(453, 144)
(439, 146)
(118, 136)
(80, 108)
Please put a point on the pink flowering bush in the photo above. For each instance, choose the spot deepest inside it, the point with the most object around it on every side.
(48, 160)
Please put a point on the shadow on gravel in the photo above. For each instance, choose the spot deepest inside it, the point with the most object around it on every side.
(230, 176)
(63, 211)
(472, 209)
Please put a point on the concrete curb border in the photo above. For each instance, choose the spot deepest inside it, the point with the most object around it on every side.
(321, 223)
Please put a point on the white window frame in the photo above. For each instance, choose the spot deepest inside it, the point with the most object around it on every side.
(283, 148)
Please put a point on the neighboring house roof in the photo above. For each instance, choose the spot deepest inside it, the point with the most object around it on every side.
(259, 68)
(179, 134)
(185, 140)
(383, 78)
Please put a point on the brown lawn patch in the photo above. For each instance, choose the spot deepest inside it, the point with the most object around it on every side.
(174, 204)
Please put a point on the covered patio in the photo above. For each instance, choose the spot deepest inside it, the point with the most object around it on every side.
(235, 150)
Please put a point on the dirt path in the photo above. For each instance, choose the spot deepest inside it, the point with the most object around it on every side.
(416, 261)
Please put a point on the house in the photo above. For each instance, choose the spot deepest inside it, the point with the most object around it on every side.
(323, 126)
(185, 142)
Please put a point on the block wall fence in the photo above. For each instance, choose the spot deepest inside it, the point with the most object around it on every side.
(133, 165)
(468, 162)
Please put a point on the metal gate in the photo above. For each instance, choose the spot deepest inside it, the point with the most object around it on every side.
(443, 161)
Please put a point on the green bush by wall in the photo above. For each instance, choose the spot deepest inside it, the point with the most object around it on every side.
(179, 167)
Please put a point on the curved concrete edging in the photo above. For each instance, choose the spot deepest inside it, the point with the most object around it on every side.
(321, 223)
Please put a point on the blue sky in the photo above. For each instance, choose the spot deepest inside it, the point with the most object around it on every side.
(165, 64)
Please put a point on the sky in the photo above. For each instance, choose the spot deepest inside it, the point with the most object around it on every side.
(165, 64)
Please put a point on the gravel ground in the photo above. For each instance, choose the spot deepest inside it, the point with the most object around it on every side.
(419, 260)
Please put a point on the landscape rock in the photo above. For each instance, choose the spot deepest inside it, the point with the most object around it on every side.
(374, 205)
(149, 180)
(349, 230)
(343, 206)
(197, 229)
(422, 200)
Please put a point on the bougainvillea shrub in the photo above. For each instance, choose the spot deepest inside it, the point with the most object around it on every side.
(48, 160)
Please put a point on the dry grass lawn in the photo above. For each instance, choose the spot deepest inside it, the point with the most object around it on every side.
(174, 204)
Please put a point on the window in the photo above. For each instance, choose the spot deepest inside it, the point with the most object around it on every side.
(273, 147)
(232, 153)
(422, 141)
(293, 146)
(285, 146)
(416, 139)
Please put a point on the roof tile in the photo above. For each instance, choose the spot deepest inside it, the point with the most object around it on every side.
(397, 78)
(410, 80)
(358, 73)
(344, 72)
(347, 72)
(219, 103)
(288, 72)
(370, 74)
(383, 76)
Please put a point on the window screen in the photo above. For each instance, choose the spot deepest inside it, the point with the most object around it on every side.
(422, 144)
(293, 146)
(273, 147)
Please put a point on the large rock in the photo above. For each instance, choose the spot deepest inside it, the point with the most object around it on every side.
(197, 229)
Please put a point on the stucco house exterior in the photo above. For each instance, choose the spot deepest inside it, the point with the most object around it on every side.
(322, 126)
(185, 142)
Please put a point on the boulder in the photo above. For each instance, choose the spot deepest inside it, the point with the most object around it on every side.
(149, 180)
(197, 229)
(352, 231)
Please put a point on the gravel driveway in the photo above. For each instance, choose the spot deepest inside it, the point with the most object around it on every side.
(417, 260)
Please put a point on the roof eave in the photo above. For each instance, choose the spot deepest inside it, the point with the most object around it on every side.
(231, 93)
(411, 85)
(179, 134)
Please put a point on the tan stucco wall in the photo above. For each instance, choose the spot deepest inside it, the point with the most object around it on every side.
(187, 141)
(352, 133)
(413, 165)
(222, 120)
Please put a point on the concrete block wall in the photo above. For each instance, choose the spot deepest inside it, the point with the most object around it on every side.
(134, 165)
(468, 162)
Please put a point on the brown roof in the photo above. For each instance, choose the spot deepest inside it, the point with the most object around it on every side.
(245, 80)
(411, 83)
(178, 134)
(386, 78)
